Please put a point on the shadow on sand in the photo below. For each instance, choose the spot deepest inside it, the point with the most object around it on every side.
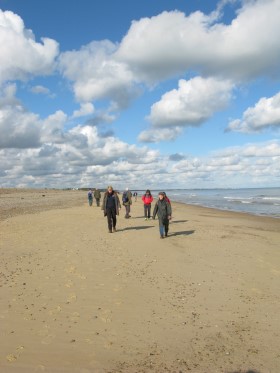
(182, 233)
(136, 228)
(242, 371)
(178, 221)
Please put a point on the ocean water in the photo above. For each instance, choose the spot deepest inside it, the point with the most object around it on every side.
(256, 201)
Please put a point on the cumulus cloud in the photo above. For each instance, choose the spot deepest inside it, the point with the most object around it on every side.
(85, 109)
(245, 48)
(159, 134)
(18, 128)
(21, 55)
(96, 74)
(192, 103)
(239, 166)
(176, 157)
(39, 89)
(265, 114)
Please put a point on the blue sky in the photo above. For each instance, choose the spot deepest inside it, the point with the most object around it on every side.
(166, 94)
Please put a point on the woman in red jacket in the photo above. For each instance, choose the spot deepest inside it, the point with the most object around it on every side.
(147, 198)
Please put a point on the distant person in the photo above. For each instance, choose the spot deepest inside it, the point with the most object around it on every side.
(135, 194)
(127, 202)
(147, 199)
(90, 197)
(163, 210)
(111, 206)
(97, 196)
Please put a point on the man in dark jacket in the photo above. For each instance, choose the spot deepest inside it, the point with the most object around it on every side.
(163, 210)
(110, 206)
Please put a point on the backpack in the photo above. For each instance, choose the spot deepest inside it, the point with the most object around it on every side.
(125, 197)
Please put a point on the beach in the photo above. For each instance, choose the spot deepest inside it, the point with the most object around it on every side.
(75, 298)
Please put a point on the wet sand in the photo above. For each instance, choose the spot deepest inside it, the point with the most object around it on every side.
(75, 298)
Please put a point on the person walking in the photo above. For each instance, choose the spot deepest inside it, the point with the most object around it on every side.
(163, 210)
(97, 196)
(127, 201)
(135, 194)
(90, 197)
(147, 199)
(111, 206)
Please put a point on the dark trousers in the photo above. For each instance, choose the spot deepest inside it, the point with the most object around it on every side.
(147, 210)
(97, 201)
(111, 218)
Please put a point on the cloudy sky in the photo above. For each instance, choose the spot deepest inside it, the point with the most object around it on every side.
(163, 94)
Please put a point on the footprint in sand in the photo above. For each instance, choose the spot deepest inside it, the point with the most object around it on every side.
(55, 311)
(75, 316)
(72, 298)
(16, 355)
(106, 316)
(48, 339)
(69, 284)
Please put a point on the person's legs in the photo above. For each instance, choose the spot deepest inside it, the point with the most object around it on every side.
(166, 227)
(161, 231)
(114, 220)
(109, 219)
(145, 211)
(127, 211)
(149, 211)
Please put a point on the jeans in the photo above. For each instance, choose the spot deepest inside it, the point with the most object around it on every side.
(163, 228)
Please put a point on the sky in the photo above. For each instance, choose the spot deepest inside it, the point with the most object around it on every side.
(144, 95)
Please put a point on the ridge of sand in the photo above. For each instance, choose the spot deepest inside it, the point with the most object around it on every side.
(75, 298)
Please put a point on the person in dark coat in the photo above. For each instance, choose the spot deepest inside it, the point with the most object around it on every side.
(111, 206)
(90, 198)
(163, 210)
(97, 196)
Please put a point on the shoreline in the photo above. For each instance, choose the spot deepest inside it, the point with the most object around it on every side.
(57, 198)
(75, 298)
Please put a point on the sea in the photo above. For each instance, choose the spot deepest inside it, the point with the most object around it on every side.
(255, 201)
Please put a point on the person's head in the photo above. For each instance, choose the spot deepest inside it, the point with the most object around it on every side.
(148, 191)
(126, 189)
(110, 189)
(161, 195)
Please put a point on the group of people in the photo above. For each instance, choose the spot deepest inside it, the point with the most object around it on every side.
(111, 205)
(96, 194)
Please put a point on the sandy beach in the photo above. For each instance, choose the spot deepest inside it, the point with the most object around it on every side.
(75, 298)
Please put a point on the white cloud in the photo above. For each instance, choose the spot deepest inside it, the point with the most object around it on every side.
(265, 114)
(85, 109)
(39, 89)
(21, 55)
(18, 128)
(192, 103)
(245, 48)
(159, 134)
(97, 75)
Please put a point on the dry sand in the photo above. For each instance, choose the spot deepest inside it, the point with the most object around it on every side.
(75, 298)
